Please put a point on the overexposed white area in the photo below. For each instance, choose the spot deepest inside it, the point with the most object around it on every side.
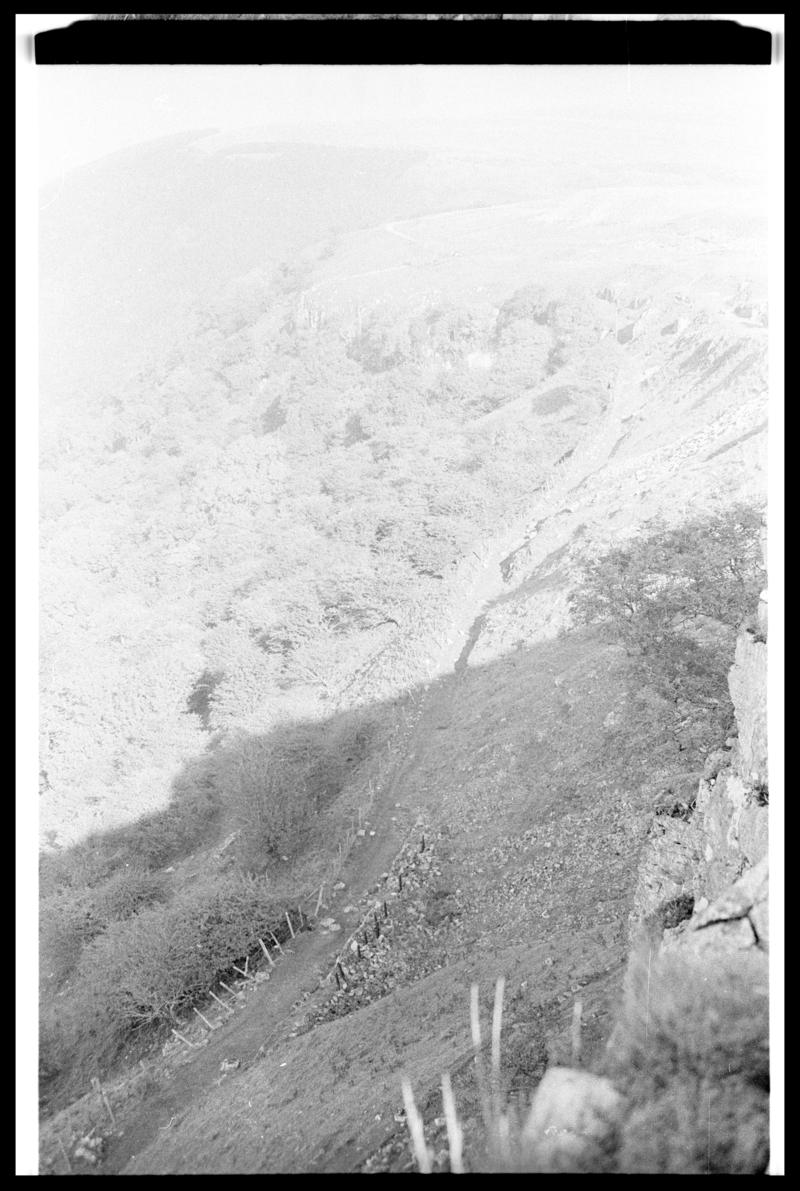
(87, 112)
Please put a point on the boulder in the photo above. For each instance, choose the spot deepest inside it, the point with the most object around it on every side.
(572, 1114)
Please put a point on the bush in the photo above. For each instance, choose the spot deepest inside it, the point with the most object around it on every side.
(651, 589)
(66, 923)
(160, 961)
(690, 1051)
(674, 601)
(142, 971)
(269, 788)
(277, 785)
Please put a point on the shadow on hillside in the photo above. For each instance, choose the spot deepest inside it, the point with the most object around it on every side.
(570, 704)
(551, 727)
(308, 762)
(278, 802)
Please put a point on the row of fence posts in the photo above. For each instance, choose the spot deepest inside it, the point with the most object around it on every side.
(245, 975)
(210, 1025)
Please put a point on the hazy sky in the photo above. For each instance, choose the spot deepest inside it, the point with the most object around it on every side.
(86, 112)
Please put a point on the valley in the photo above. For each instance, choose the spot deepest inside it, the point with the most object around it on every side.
(313, 541)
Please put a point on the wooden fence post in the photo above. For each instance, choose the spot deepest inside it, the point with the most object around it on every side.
(220, 1002)
(191, 1045)
(99, 1088)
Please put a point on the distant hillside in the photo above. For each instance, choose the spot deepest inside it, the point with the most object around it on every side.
(129, 243)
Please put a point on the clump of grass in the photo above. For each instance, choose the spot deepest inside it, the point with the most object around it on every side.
(128, 891)
(65, 925)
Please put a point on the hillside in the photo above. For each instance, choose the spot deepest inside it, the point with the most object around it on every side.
(313, 540)
(429, 370)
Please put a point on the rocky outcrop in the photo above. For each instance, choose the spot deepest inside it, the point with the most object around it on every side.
(666, 887)
(727, 835)
(701, 919)
(731, 828)
(736, 920)
(684, 1087)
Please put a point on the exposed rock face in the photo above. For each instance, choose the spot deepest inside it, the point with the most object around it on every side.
(701, 925)
(748, 686)
(737, 920)
(728, 833)
(733, 823)
(668, 876)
